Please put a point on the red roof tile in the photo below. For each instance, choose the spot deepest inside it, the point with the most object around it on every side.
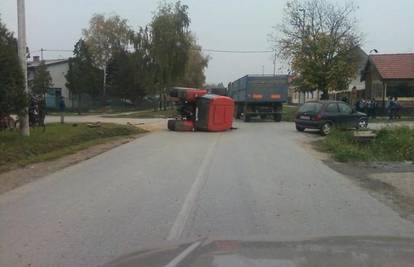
(394, 66)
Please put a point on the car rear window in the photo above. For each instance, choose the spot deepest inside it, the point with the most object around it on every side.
(310, 107)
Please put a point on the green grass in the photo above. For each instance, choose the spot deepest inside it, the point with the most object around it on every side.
(289, 113)
(391, 144)
(147, 114)
(58, 140)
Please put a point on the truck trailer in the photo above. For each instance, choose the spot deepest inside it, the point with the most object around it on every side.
(259, 96)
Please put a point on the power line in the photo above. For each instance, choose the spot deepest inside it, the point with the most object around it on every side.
(52, 50)
(202, 49)
(238, 51)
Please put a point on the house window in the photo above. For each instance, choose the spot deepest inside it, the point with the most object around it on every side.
(400, 89)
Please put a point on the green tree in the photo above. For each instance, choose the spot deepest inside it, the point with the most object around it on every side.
(13, 98)
(319, 39)
(42, 80)
(170, 45)
(104, 37)
(194, 70)
(131, 73)
(83, 77)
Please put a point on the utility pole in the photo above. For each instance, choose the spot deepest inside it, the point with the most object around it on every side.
(274, 65)
(21, 24)
(41, 54)
(263, 70)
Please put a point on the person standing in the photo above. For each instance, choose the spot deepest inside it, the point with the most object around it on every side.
(373, 108)
(369, 108)
(62, 107)
(388, 107)
(397, 108)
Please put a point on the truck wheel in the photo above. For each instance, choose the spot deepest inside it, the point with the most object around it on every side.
(277, 117)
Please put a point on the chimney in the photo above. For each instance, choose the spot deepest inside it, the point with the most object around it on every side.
(36, 59)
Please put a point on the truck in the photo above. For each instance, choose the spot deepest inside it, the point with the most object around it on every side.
(259, 96)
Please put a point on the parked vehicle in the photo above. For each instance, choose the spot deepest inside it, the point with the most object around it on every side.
(261, 96)
(326, 114)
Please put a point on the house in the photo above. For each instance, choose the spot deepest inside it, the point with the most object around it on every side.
(390, 75)
(57, 69)
(355, 89)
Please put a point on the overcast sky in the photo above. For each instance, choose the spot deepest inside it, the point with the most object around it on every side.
(219, 24)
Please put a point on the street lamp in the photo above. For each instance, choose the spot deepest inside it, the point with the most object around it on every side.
(21, 42)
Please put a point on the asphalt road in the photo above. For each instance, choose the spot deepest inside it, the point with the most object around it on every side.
(257, 181)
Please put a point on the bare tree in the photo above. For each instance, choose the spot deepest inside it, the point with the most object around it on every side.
(319, 39)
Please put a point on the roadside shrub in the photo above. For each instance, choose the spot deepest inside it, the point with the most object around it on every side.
(391, 144)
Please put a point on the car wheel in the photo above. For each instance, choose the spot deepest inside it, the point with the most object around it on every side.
(326, 128)
(362, 123)
(300, 129)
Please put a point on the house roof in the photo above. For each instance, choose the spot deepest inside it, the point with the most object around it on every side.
(394, 66)
(34, 64)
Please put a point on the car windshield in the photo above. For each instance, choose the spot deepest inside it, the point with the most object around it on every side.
(311, 107)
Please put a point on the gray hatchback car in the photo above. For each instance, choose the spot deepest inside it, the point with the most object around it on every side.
(326, 114)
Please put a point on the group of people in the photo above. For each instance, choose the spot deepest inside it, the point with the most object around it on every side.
(368, 106)
(393, 108)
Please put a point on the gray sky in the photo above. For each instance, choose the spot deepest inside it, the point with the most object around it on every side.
(219, 24)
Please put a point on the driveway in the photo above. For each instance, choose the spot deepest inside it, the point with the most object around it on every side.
(259, 181)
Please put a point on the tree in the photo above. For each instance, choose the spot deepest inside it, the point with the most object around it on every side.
(319, 38)
(13, 98)
(131, 73)
(82, 77)
(42, 80)
(170, 45)
(104, 37)
(194, 70)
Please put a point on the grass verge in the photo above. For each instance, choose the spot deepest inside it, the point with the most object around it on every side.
(391, 144)
(147, 114)
(289, 113)
(58, 140)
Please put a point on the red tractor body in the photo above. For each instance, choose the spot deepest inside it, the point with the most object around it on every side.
(201, 111)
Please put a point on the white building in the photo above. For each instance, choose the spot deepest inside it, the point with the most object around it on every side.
(57, 69)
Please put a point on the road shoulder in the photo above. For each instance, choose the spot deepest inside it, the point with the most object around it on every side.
(389, 182)
(30, 173)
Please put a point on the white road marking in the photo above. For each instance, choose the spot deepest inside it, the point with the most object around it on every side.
(177, 229)
(177, 260)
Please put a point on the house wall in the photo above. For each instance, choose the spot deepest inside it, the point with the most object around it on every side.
(302, 97)
(57, 73)
(375, 88)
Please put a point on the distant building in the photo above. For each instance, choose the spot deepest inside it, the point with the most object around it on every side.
(57, 69)
(390, 75)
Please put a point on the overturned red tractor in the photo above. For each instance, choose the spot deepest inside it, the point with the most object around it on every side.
(200, 111)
